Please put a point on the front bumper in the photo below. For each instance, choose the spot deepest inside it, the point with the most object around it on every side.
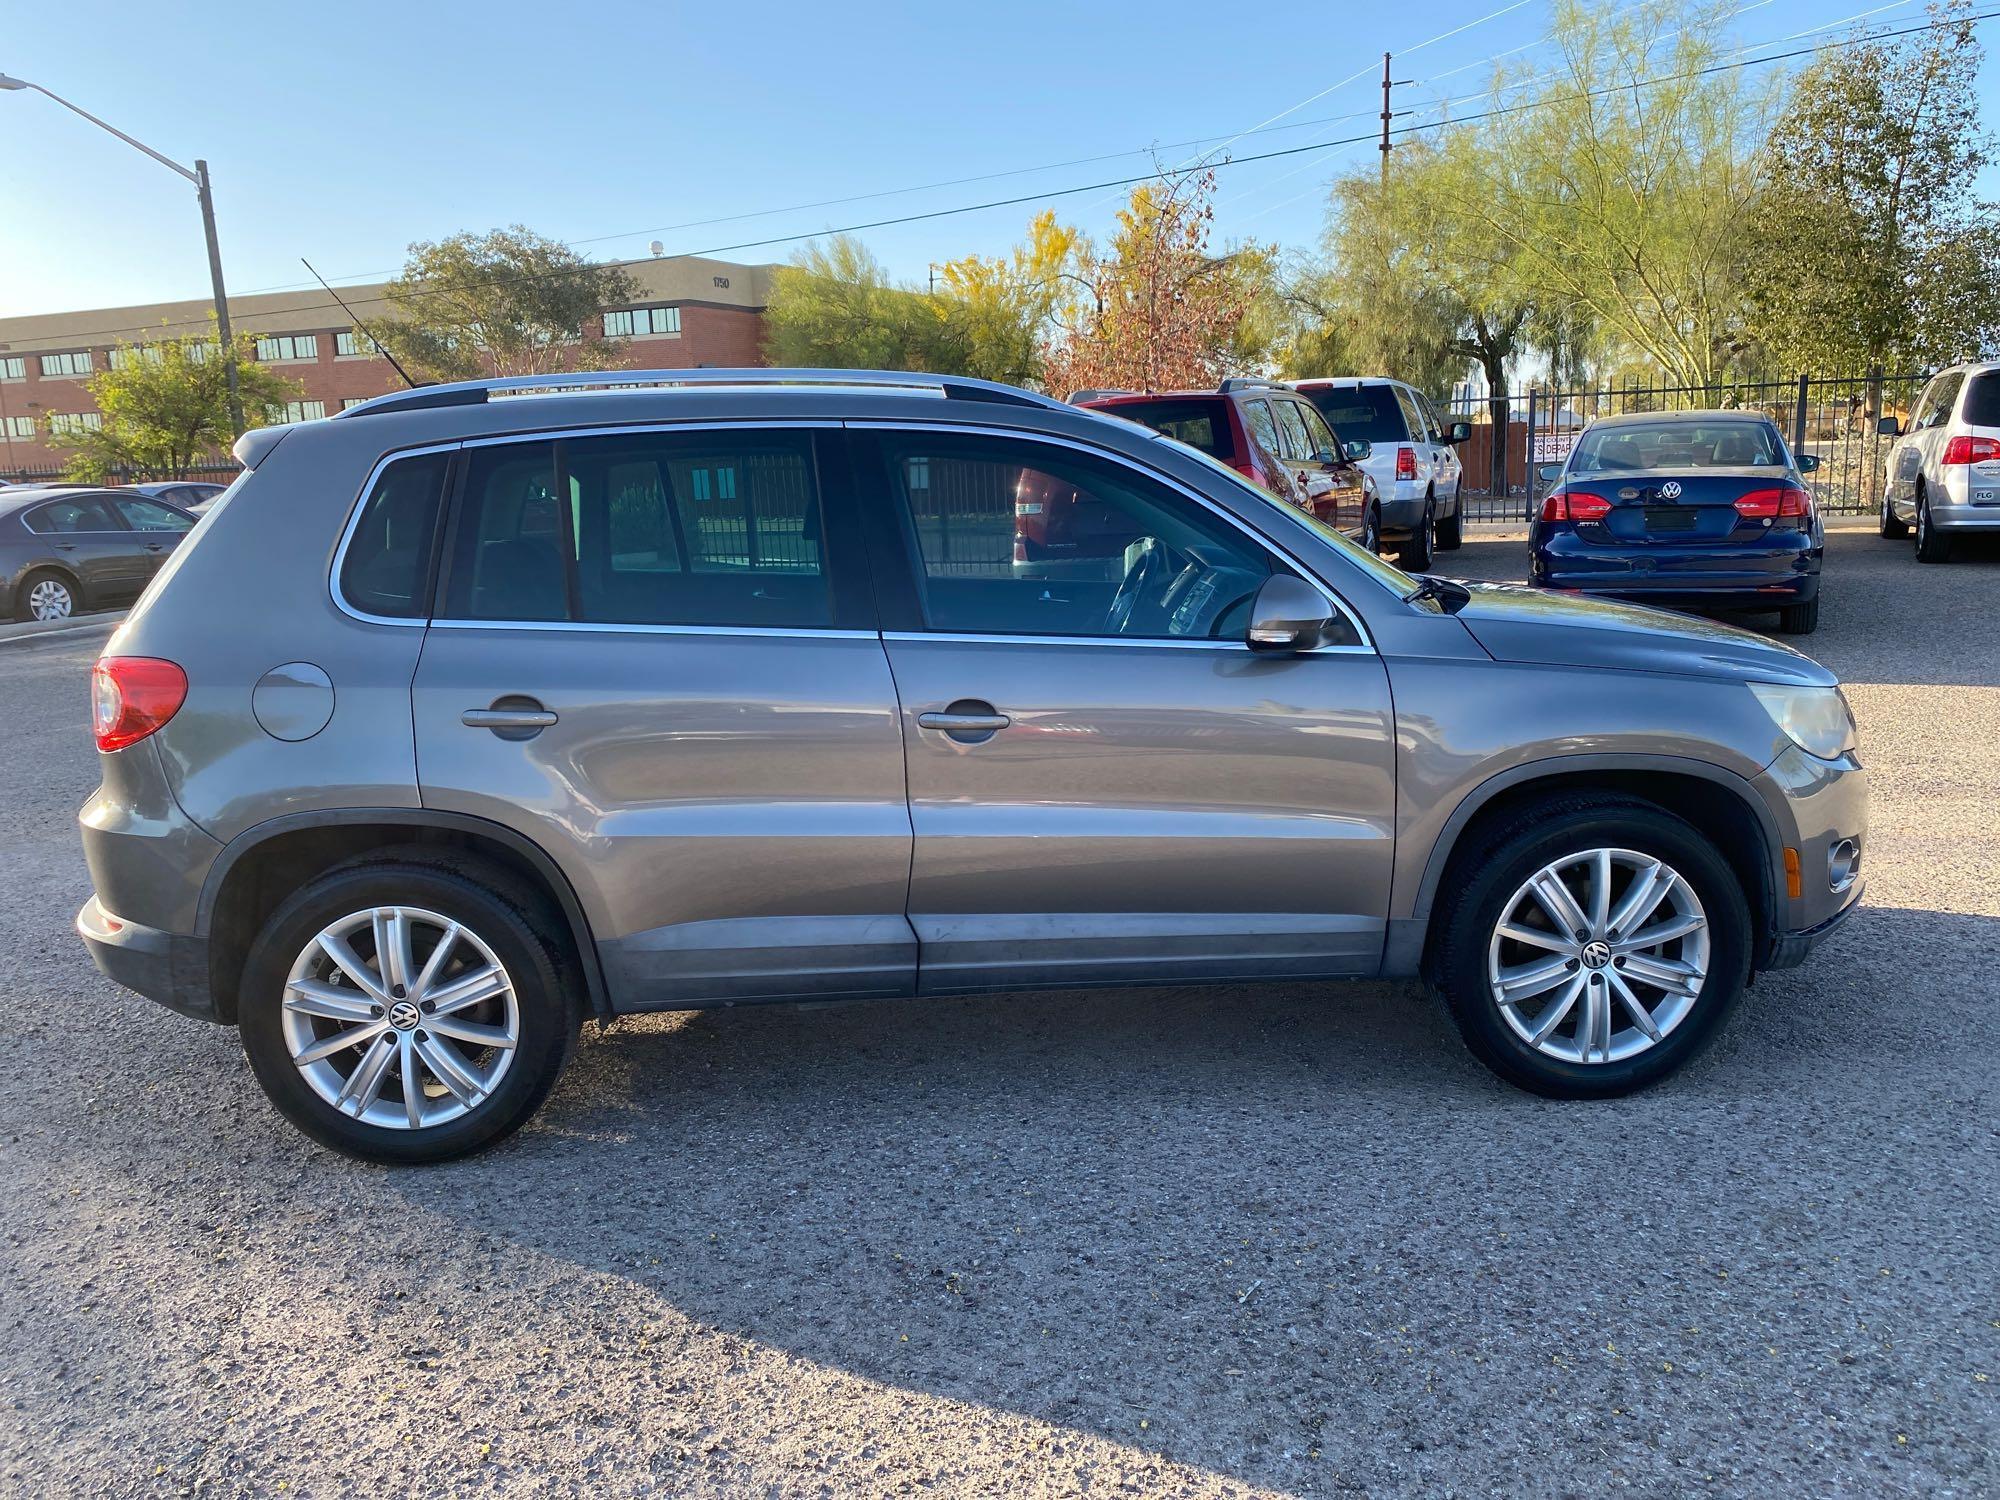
(1825, 804)
(169, 967)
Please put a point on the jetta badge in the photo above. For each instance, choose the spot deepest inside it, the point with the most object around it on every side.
(1671, 490)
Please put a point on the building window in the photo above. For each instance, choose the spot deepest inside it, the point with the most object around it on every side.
(348, 403)
(642, 322)
(279, 347)
(14, 367)
(132, 354)
(202, 353)
(347, 345)
(304, 411)
(21, 427)
(67, 364)
(69, 423)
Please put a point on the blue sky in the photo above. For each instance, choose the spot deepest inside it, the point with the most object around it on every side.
(343, 133)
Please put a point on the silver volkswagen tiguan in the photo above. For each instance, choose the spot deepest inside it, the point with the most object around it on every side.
(481, 710)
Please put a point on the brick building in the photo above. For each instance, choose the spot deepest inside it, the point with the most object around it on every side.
(691, 312)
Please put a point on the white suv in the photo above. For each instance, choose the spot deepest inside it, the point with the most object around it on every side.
(1413, 458)
(1944, 474)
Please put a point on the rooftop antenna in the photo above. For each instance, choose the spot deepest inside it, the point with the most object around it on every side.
(657, 248)
(360, 325)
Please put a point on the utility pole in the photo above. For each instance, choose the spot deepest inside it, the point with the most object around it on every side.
(199, 177)
(1388, 114)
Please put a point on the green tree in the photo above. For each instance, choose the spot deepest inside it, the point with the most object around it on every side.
(166, 409)
(509, 302)
(1629, 211)
(1872, 244)
(834, 307)
(995, 313)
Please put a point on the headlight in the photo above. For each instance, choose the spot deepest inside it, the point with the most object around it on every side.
(1816, 719)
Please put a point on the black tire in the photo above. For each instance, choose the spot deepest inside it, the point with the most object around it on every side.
(1891, 525)
(1451, 530)
(22, 611)
(1415, 555)
(1799, 619)
(508, 918)
(1932, 546)
(1484, 879)
(1371, 529)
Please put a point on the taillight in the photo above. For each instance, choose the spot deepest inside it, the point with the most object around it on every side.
(1406, 463)
(1784, 500)
(1971, 450)
(1575, 505)
(131, 696)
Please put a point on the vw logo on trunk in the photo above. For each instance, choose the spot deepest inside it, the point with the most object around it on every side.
(1671, 490)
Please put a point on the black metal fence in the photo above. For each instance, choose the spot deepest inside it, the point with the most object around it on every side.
(1831, 417)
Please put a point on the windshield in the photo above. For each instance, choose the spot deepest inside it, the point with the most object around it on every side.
(1709, 444)
(1387, 574)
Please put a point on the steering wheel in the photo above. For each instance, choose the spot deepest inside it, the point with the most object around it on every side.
(1132, 585)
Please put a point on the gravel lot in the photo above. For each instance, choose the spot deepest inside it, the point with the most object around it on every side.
(1200, 1241)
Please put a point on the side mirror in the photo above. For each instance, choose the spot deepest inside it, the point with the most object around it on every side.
(1359, 449)
(1808, 462)
(1548, 473)
(1287, 615)
(1889, 427)
(1460, 432)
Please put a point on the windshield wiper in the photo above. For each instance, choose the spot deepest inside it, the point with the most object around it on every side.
(1451, 597)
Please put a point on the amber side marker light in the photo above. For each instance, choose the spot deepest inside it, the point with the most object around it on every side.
(1794, 887)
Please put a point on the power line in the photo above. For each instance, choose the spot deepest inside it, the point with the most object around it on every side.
(1498, 112)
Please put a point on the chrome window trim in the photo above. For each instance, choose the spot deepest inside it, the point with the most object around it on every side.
(1263, 543)
(539, 435)
(598, 627)
(1123, 642)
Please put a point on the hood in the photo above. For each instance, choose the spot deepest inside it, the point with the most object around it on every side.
(1515, 623)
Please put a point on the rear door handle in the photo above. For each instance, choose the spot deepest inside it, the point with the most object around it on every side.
(960, 723)
(500, 719)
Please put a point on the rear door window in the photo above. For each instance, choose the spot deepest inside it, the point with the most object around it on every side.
(1369, 412)
(1412, 417)
(703, 528)
(1262, 426)
(83, 513)
(1293, 442)
(387, 569)
(1946, 397)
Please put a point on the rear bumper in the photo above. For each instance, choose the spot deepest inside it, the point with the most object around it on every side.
(1720, 577)
(1967, 517)
(169, 967)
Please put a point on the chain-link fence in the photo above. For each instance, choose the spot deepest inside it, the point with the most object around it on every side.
(1833, 417)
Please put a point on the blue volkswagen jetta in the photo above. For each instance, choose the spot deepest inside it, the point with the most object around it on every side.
(1691, 510)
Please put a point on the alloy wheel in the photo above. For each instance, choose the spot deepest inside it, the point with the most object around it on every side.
(1599, 955)
(50, 599)
(400, 1017)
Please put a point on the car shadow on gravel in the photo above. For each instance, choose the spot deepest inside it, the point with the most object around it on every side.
(1238, 1226)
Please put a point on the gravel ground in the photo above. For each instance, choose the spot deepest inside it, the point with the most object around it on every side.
(1199, 1241)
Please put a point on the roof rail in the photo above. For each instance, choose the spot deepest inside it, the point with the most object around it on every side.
(1077, 398)
(571, 382)
(1252, 383)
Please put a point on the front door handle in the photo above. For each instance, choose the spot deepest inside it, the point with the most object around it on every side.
(967, 721)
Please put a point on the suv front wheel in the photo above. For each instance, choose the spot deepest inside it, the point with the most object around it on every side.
(1594, 947)
(408, 1009)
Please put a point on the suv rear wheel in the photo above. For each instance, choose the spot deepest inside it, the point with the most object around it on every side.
(1594, 947)
(1414, 556)
(409, 1009)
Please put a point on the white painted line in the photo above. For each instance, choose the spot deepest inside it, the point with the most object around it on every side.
(49, 635)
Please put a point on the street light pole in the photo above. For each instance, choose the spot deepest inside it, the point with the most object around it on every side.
(199, 177)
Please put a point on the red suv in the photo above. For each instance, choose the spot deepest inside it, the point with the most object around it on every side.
(1270, 435)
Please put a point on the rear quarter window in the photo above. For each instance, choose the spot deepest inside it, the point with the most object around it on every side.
(1982, 400)
(387, 568)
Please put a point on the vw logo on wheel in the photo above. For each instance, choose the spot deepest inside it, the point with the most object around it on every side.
(1671, 490)
(1595, 954)
(403, 1015)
